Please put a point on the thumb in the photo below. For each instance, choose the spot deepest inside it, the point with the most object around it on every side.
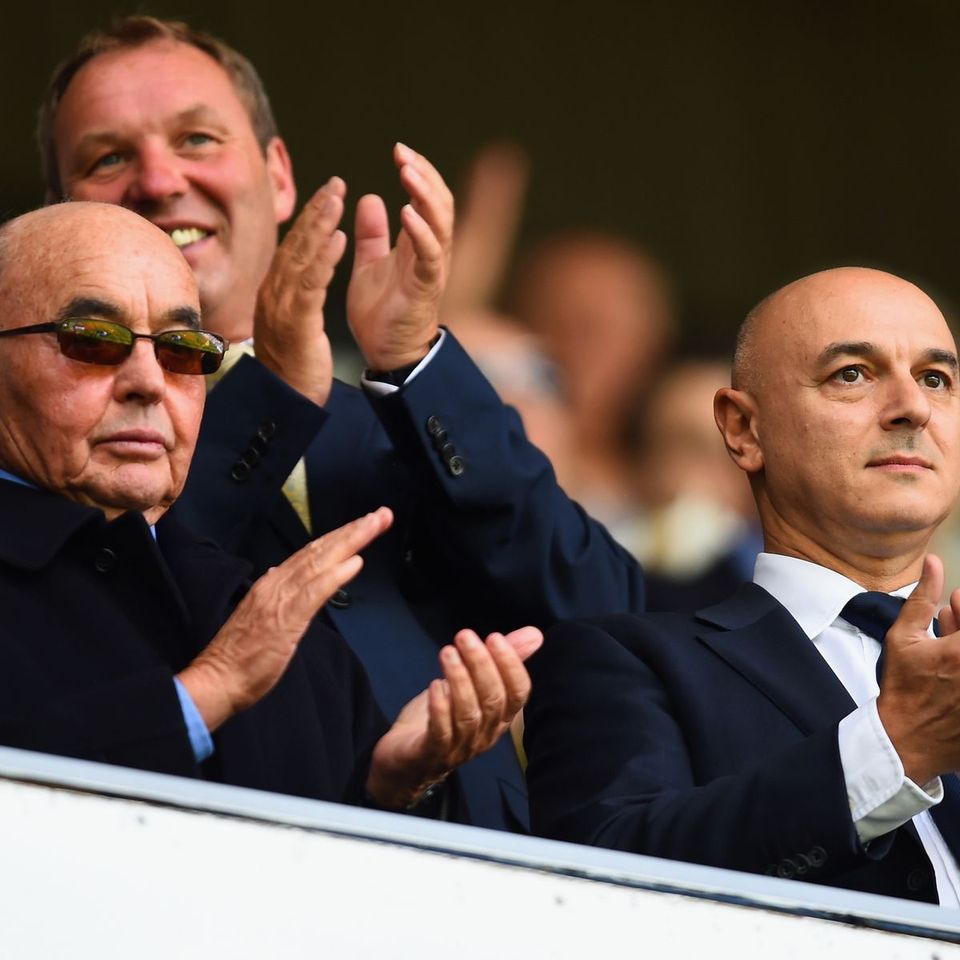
(371, 231)
(921, 606)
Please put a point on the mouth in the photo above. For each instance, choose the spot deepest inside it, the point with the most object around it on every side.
(136, 444)
(187, 236)
(184, 235)
(900, 463)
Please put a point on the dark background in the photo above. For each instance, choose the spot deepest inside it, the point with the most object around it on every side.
(745, 143)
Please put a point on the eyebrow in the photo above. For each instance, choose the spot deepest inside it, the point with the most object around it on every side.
(91, 307)
(184, 316)
(864, 348)
(95, 307)
(198, 113)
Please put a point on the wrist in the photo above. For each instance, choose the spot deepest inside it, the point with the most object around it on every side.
(208, 692)
(396, 367)
(396, 790)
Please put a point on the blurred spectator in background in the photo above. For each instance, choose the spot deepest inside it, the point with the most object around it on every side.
(699, 535)
(601, 307)
(513, 360)
(511, 357)
(488, 216)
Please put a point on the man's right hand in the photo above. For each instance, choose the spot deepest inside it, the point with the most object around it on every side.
(288, 326)
(249, 654)
(919, 703)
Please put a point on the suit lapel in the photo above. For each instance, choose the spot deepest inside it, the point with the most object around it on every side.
(208, 579)
(763, 643)
(288, 525)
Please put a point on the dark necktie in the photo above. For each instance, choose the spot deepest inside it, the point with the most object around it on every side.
(874, 613)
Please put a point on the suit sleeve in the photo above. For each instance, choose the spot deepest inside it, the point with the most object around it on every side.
(493, 504)
(613, 762)
(131, 721)
(255, 429)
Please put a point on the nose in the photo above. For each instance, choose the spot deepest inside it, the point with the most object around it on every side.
(907, 403)
(157, 177)
(140, 378)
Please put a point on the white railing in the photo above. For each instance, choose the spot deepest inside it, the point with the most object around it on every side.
(103, 862)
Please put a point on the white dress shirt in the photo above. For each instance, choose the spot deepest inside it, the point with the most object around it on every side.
(881, 797)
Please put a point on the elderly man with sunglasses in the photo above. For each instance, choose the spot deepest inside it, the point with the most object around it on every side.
(125, 638)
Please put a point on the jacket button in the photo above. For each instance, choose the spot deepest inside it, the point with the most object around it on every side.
(266, 429)
(817, 856)
(440, 438)
(455, 466)
(447, 451)
(251, 457)
(105, 560)
(341, 599)
(434, 426)
(240, 471)
(917, 879)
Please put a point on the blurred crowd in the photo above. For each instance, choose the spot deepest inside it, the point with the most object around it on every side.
(578, 332)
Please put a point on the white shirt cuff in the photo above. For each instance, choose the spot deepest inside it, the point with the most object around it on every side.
(881, 796)
(380, 389)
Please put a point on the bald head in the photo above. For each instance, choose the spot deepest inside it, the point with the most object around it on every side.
(117, 436)
(784, 317)
(51, 239)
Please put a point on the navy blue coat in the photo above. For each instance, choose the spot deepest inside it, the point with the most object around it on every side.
(710, 738)
(483, 536)
(97, 619)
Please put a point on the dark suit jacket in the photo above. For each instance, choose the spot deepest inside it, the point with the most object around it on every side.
(483, 535)
(97, 618)
(710, 738)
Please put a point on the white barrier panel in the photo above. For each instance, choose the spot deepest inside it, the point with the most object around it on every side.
(101, 862)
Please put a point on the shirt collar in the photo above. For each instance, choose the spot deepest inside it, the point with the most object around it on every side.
(13, 478)
(813, 595)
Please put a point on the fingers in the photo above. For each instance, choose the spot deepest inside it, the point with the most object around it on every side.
(513, 674)
(371, 231)
(423, 182)
(457, 664)
(525, 642)
(429, 216)
(314, 573)
(430, 254)
(921, 606)
(948, 619)
(487, 685)
(314, 244)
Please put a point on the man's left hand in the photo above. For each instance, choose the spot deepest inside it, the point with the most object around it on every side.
(485, 686)
(393, 300)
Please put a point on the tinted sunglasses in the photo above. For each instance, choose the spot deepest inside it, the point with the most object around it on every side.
(91, 340)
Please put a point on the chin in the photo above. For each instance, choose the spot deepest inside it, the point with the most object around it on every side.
(904, 517)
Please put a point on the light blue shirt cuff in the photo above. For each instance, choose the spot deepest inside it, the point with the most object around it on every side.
(200, 739)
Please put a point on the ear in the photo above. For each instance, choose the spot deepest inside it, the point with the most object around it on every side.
(280, 172)
(736, 414)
